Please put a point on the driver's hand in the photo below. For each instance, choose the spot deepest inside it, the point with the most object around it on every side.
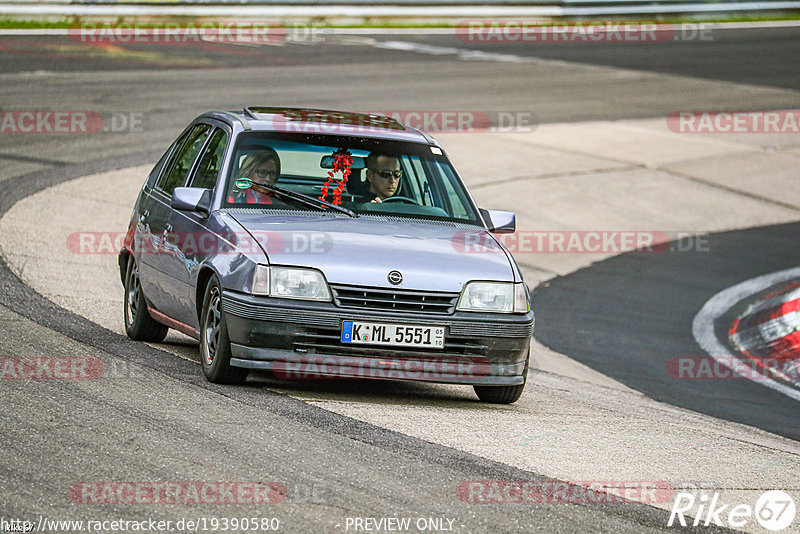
(376, 200)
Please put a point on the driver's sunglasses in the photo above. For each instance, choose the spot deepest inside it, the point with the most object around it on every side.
(388, 174)
(263, 173)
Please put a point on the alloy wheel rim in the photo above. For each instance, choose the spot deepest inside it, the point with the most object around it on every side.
(134, 288)
(212, 327)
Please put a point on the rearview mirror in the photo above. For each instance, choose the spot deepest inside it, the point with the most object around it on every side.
(359, 162)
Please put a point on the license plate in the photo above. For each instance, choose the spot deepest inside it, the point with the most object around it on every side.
(403, 335)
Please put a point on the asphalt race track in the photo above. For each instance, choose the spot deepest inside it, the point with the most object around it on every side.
(741, 56)
(624, 316)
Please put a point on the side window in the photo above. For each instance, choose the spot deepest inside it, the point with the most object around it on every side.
(183, 158)
(151, 178)
(455, 201)
(208, 169)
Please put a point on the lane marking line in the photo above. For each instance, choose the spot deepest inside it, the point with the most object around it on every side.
(463, 54)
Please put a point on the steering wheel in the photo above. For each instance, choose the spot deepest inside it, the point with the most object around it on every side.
(404, 200)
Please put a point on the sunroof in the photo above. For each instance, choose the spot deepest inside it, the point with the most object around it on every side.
(325, 117)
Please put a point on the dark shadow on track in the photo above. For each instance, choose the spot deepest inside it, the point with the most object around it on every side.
(627, 316)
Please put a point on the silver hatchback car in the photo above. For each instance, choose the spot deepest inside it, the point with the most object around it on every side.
(319, 244)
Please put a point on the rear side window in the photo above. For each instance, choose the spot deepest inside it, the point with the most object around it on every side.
(183, 158)
(151, 178)
(208, 169)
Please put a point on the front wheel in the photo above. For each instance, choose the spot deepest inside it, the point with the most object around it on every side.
(503, 394)
(215, 347)
(138, 324)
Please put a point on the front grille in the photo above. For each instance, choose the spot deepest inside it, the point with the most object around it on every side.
(372, 298)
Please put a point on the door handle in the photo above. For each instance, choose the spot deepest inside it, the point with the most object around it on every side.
(165, 236)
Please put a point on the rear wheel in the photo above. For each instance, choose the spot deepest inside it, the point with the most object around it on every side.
(138, 324)
(215, 347)
(503, 394)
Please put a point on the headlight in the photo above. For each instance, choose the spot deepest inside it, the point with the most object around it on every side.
(496, 297)
(290, 283)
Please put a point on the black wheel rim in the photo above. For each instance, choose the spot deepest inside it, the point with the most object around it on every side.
(211, 327)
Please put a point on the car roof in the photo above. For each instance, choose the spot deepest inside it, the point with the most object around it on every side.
(322, 121)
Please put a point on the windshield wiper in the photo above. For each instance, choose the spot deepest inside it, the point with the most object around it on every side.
(307, 200)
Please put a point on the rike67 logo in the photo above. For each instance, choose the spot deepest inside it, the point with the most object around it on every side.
(774, 510)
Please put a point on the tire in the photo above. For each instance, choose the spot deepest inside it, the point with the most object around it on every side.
(138, 324)
(503, 394)
(215, 347)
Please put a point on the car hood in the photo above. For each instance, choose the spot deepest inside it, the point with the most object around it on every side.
(362, 251)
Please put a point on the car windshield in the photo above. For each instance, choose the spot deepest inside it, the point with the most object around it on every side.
(367, 176)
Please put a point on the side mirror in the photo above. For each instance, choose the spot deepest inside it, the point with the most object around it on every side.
(499, 221)
(191, 199)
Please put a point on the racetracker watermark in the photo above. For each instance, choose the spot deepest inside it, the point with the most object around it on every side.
(70, 122)
(592, 31)
(785, 121)
(187, 492)
(313, 367)
(201, 243)
(728, 368)
(578, 492)
(50, 368)
(579, 242)
(465, 121)
(171, 33)
(430, 121)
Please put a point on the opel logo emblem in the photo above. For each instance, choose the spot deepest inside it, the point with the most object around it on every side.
(395, 278)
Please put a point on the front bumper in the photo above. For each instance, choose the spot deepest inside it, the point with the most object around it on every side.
(302, 340)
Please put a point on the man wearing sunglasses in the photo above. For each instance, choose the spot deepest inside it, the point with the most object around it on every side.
(383, 175)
